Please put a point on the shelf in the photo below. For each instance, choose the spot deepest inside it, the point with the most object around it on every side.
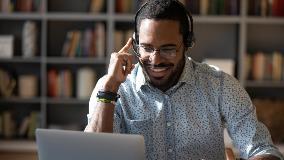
(20, 100)
(76, 16)
(217, 19)
(67, 101)
(75, 60)
(18, 145)
(21, 16)
(20, 60)
(264, 20)
(264, 84)
(197, 19)
(123, 17)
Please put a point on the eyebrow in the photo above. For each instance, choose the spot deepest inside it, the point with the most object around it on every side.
(164, 45)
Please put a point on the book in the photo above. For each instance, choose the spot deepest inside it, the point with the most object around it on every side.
(52, 83)
(96, 6)
(6, 46)
(76, 36)
(68, 84)
(29, 41)
(100, 40)
(34, 123)
(6, 6)
(193, 6)
(232, 7)
(267, 73)
(258, 65)
(275, 8)
(247, 66)
(86, 80)
(87, 39)
(9, 125)
(204, 7)
(264, 8)
(28, 86)
(7, 84)
(24, 126)
(66, 44)
(24, 5)
(276, 65)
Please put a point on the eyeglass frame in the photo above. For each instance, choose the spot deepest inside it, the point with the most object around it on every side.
(158, 50)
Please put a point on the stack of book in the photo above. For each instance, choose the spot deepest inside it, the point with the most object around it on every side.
(128, 6)
(97, 6)
(88, 43)
(13, 125)
(265, 66)
(8, 6)
(266, 8)
(61, 83)
(213, 7)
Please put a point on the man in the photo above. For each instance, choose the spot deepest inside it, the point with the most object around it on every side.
(180, 106)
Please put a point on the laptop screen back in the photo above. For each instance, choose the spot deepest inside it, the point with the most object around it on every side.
(76, 145)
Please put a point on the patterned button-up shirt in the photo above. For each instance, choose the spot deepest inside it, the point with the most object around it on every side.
(188, 120)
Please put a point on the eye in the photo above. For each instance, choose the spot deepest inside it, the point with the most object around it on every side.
(168, 49)
(147, 49)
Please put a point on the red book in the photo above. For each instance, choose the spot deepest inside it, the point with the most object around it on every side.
(52, 83)
(24, 5)
(278, 8)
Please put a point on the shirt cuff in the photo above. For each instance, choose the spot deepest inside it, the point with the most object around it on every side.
(273, 152)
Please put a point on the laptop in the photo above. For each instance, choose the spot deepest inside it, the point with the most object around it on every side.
(78, 145)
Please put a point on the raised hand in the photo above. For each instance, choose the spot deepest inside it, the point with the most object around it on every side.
(121, 64)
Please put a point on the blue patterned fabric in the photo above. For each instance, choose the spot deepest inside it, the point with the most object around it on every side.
(188, 120)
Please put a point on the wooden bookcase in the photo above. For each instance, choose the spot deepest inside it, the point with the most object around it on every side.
(218, 36)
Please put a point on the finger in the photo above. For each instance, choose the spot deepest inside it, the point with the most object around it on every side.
(128, 64)
(127, 46)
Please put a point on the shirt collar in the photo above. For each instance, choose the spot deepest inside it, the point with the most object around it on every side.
(187, 75)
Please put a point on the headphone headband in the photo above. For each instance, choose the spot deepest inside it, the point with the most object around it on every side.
(189, 40)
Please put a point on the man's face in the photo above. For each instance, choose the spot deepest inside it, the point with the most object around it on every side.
(163, 71)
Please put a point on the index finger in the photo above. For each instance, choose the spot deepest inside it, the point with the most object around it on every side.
(127, 46)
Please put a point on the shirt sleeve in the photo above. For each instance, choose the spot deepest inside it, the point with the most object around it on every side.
(249, 136)
(117, 125)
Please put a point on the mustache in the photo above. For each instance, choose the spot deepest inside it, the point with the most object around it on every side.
(161, 65)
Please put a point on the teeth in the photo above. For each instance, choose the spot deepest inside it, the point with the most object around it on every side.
(158, 69)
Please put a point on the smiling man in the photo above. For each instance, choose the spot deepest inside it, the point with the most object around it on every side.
(181, 107)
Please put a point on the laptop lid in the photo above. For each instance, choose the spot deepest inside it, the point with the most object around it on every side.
(77, 145)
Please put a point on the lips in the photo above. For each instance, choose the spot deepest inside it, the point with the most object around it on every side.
(158, 72)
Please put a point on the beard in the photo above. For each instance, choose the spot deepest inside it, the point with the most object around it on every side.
(169, 79)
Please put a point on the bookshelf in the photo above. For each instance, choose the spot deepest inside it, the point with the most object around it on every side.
(221, 36)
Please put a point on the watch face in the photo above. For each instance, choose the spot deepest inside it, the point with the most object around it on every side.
(6, 46)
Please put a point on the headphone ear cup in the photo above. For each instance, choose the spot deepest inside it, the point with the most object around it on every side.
(190, 40)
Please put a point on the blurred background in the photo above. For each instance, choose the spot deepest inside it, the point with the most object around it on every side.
(52, 52)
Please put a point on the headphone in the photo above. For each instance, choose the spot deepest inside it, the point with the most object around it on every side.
(189, 39)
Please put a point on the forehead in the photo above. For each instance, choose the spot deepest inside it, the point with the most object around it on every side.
(161, 30)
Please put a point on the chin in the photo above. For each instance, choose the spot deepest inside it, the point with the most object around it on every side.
(162, 83)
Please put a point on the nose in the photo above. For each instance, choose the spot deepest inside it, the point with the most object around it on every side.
(155, 57)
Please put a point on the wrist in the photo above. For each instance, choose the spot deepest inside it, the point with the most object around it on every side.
(111, 85)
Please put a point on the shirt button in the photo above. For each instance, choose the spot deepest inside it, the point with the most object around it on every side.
(169, 124)
(170, 150)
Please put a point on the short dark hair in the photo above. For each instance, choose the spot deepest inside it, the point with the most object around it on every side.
(165, 10)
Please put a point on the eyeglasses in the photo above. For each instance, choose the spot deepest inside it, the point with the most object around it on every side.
(164, 51)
